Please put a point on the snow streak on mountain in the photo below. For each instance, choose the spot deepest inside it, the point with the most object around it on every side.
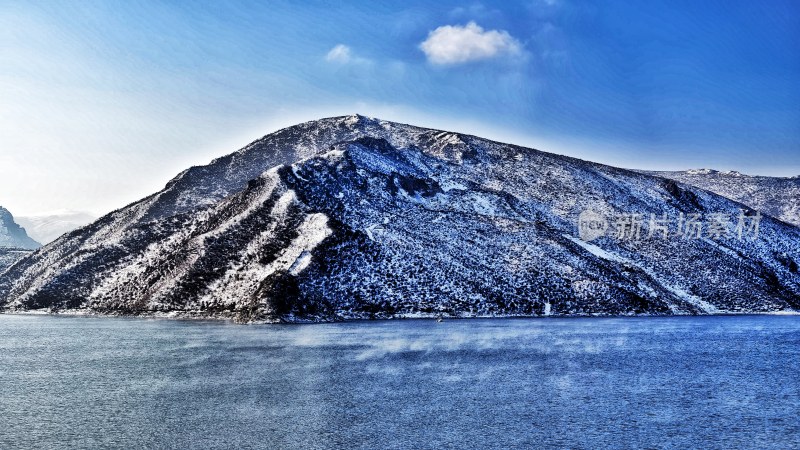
(352, 217)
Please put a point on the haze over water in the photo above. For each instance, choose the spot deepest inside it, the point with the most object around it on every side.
(681, 382)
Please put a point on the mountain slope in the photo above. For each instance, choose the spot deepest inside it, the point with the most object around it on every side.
(352, 217)
(8, 256)
(776, 196)
(12, 235)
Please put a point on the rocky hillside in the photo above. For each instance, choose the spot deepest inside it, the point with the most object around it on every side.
(8, 256)
(352, 217)
(779, 197)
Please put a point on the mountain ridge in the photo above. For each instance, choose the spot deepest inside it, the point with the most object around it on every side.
(777, 196)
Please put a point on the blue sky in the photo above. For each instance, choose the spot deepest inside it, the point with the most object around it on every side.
(103, 102)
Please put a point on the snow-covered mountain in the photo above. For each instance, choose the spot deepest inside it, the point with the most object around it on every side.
(14, 241)
(351, 217)
(12, 235)
(777, 196)
(8, 256)
(46, 228)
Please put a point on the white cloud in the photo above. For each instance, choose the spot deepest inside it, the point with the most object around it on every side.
(339, 54)
(343, 55)
(455, 44)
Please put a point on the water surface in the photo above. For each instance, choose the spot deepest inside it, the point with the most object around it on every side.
(683, 382)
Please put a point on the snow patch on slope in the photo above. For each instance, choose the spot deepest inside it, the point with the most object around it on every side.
(704, 306)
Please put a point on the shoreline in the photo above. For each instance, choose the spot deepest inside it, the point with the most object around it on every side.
(225, 318)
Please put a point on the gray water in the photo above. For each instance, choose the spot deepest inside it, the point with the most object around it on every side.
(686, 382)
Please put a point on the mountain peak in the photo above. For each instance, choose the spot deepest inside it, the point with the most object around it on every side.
(701, 171)
(12, 235)
(355, 120)
(734, 173)
(729, 173)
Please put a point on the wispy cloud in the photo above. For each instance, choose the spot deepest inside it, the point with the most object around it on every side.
(455, 44)
(342, 54)
(339, 54)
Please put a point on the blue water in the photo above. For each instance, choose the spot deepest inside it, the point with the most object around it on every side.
(688, 382)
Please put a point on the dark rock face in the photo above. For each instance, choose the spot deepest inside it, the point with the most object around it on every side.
(358, 218)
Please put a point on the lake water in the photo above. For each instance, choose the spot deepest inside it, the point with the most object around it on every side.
(685, 382)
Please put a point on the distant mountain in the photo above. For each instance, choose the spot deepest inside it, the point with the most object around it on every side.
(12, 235)
(46, 228)
(351, 217)
(778, 197)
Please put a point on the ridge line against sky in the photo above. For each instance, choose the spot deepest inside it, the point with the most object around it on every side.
(104, 101)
